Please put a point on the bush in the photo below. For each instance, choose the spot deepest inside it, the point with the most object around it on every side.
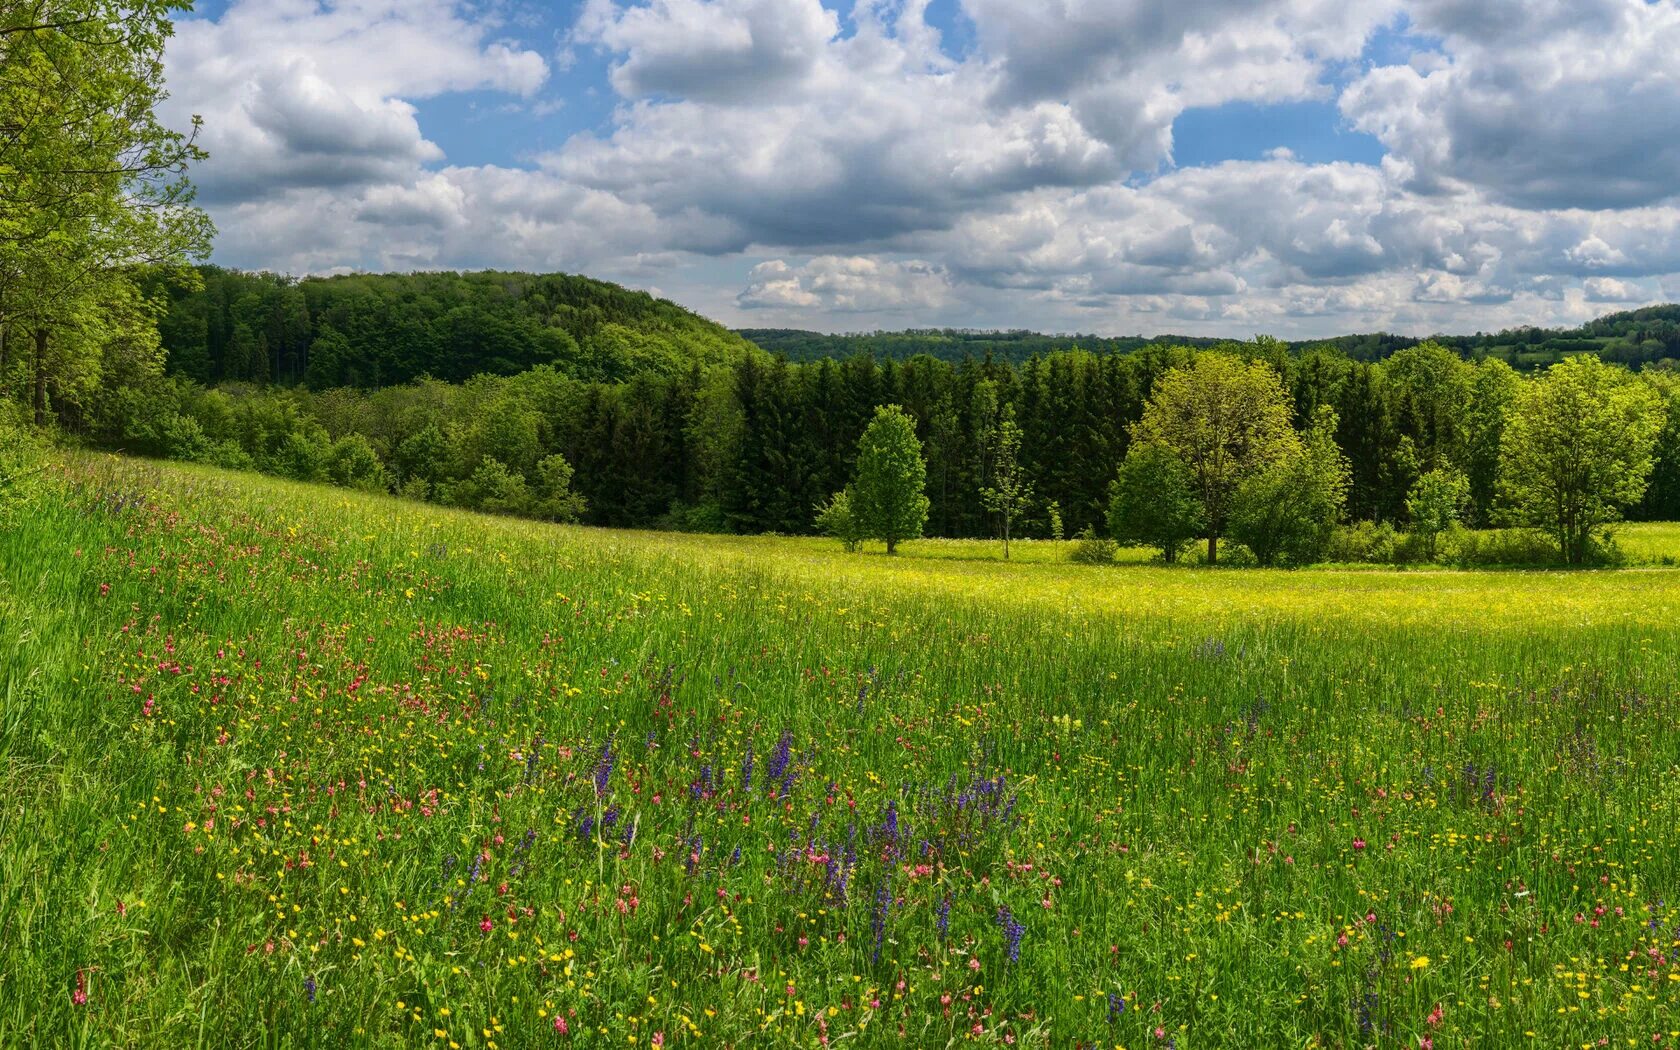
(555, 499)
(1287, 512)
(1482, 548)
(22, 461)
(1093, 549)
(355, 465)
(1363, 542)
(492, 488)
(837, 519)
(1151, 501)
(705, 516)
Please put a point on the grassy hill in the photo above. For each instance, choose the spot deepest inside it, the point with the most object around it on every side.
(346, 770)
(371, 330)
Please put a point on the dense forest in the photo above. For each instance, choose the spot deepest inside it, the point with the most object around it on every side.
(372, 330)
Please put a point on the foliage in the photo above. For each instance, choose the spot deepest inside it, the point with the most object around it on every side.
(372, 330)
(888, 495)
(1152, 501)
(1288, 511)
(1228, 421)
(554, 499)
(92, 185)
(1010, 492)
(835, 518)
(1093, 548)
(1578, 450)
(1436, 503)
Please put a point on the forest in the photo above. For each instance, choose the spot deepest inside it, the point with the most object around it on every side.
(564, 397)
(1631, 337)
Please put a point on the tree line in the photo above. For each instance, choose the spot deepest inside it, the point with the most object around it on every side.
(765, 445)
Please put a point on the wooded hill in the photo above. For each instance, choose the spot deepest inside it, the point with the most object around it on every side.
(1632, 337)
(373, 330)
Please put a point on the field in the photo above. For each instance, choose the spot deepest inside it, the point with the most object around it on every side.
(287, 766)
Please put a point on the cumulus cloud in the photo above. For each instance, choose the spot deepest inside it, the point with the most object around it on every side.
(754, 51)
(295, 94)
(1539, 103)
(862, 173)
(853, 284)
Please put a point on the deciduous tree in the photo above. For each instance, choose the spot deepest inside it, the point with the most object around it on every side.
(1577, 449)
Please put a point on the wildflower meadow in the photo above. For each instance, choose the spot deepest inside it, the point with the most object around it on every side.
(295, 767)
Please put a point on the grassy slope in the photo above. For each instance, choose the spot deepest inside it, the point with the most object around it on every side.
(1192, 755)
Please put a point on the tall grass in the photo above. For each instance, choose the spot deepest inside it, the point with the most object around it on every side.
(289, 766)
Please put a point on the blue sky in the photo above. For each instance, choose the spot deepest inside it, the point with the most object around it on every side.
(1230, 166)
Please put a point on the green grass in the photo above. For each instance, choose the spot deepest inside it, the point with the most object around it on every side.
(258, 735)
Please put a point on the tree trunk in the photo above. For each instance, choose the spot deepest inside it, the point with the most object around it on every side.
(40, 377)
(1213, 549)
(892, 547)
(1005, 539)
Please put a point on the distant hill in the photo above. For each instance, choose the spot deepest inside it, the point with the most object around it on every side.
(372, 330)
(949, 344)
(1631, 337)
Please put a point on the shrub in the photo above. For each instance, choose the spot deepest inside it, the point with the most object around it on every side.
(555, 499)
(1093, 549)
(1151, 502)
(1473, 548)
(22, 462)
(1363, 542)
(355, 465)
(835, 518)
(705, 516)
(1288, 511)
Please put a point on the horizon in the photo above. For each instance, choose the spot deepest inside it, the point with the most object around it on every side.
(1293, 167)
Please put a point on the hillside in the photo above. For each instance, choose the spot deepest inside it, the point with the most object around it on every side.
(372, 330)
(362, 772)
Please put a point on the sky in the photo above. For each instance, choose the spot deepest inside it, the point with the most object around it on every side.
(1223, 167)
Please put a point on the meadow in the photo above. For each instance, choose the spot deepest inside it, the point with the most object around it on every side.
(290, 766)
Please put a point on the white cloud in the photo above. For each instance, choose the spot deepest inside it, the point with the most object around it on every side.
(744, 51)
(1611, 290)
(296, 94)
(853, 284)
(864, 175)
(1539, 103)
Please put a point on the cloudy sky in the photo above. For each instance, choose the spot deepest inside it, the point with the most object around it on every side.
(1293, 167)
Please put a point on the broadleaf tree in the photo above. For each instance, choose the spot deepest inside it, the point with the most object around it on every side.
(1010, 493)
(1152, 501)
(1228, 420)
(1577, 449)
(888, 496)
(92, 184)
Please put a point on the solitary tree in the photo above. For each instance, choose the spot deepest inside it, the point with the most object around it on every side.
(1436, 501)
(1152, 501)
(1577, 449)
(888, 497)
(1010, 492)
(1227, 420)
